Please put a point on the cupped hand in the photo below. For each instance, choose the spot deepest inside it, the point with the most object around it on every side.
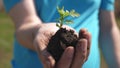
(72, 57)
(36, 37)
(41, 41)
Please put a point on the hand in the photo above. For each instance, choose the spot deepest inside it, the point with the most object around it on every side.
(41, 40)
(36, 37)
(68, 60)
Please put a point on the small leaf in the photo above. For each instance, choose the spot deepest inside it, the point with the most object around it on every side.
(57, 25)
(59, 21)
(68, 21)
(60, 10)
(74, 14)
(66, 13)
(72, 11)
(63, 14)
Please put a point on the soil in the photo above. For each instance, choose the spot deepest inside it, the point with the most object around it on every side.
(62, 39)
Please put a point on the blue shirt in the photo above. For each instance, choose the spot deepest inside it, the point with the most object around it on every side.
(46, 10)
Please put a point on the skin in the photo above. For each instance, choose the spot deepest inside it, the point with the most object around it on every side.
(32, 33)
(110, 38)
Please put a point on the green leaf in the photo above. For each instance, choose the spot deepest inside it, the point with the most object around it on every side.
(57, 25)
(74, 14)
(72, 11)
(60, 10)
(68, 21)
(66, 13)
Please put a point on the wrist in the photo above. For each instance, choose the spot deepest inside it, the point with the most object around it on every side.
(26, 34)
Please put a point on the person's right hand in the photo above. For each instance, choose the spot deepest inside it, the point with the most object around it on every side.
(36, 37)
(71, 58)
(42, 37)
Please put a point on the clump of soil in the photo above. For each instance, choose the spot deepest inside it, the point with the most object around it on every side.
(62, 39)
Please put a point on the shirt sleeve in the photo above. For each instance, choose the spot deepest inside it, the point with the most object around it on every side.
(9, 4)
(107, 5)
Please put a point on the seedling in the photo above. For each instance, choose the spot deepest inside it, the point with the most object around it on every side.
(65, 13)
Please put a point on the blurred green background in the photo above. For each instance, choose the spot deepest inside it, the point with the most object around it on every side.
(6, 40)
(7, 34)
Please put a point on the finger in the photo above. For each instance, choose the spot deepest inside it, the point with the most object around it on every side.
(81, 32)
(45, 57)
(80, 54)
(66, 58)
(87, 36)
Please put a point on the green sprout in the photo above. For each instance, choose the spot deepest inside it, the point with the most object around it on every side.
(65, 13)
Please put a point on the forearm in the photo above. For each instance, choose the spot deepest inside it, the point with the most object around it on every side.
(110, 45)
(26, 22)
(109, 39)
(24, 12)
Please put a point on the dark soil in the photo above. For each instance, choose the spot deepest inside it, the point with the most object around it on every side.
(62, 39)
